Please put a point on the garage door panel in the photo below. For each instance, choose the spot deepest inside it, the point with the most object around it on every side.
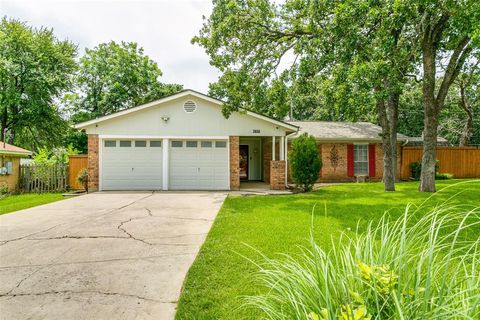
(117, 164)
(200, 168)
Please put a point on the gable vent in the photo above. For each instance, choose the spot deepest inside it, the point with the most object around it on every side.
(190, 106)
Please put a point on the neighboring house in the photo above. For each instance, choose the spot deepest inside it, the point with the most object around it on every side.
(10, 156)
(349, 149)
(418, 141)
(183, 142)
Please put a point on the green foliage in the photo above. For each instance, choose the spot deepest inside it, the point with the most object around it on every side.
(443, 176)
(280, 225)
(35, 69)
(82, 178)
(416, 169)
(115, 76)
(419, 266)
(45, 156)
(305, 162)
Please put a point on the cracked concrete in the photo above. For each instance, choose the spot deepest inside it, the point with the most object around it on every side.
(107, 255)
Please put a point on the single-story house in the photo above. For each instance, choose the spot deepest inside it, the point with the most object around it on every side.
(349, 149)
(183, 142)
(10, 156)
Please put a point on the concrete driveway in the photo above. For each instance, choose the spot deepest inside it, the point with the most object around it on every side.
(102, 256)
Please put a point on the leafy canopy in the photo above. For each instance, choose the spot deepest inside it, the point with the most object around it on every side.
(36, 68)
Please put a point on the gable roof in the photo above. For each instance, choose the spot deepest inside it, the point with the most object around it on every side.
(10, 149)
(342, 131)
(176, 96)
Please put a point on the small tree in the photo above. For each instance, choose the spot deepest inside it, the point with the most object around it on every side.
(305, 162)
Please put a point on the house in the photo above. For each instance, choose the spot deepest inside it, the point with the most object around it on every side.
(349, 149)
(183, 142)
(10, 156)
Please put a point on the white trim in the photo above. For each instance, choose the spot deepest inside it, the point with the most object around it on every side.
(282, 148)
(132, 137)
(82, 125)
(165, 163)
(100, 163)
(273, 148)
(229, 187)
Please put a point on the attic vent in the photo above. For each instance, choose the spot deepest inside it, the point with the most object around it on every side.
(190, 106)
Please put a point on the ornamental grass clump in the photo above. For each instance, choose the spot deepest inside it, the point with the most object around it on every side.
(421, 266)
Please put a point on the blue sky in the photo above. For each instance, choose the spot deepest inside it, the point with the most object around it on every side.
(163, 28)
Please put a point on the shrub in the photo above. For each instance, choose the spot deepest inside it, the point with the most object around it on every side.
(421, 266)
(416, 170)
(443, 176)
(305, 162)
(82, 178)
(45, 156)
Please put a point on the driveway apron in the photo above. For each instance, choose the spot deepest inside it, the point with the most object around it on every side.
(106, 255)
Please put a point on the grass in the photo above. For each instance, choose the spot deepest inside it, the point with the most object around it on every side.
(222, 272)
(17, 202)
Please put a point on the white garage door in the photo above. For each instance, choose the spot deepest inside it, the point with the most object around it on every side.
(198, 165)
(131, 165)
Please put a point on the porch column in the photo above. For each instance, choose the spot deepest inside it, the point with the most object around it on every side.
(282, 148)
(286, 160)
(273, 148)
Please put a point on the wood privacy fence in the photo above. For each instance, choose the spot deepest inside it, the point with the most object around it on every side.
(462, 162)
(43, 178)
(75, 164)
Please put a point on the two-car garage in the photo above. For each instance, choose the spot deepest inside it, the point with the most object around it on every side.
(144, 164)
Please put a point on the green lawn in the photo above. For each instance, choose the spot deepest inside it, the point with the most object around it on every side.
(23, 201)
(280, 224)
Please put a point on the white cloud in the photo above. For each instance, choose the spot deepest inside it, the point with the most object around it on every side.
(163, 28)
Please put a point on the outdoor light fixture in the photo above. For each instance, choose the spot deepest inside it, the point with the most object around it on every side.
(165, 119)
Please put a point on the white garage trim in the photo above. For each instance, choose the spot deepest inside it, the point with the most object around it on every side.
(116, 136)
(165, 142)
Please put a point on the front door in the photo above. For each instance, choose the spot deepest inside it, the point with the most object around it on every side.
(243, 162)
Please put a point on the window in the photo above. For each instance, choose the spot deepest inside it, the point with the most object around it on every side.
(206, 144)
(192, 144)
(360, 159)
(220, 144)
(140, 143)
(110, 143)
(177, 144)
(125, 143)
(155, 143)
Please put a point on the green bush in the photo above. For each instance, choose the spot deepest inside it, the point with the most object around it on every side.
(421, 266)
(416, 170)
(305, 162)
(82, 178)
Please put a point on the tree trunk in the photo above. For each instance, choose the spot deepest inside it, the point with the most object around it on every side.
(388, 170)
(467, 128)
(392, 116)
(427, 177)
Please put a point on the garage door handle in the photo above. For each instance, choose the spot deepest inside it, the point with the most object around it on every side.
(198, 169)
(133, 168)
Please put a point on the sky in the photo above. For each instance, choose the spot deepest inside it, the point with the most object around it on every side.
(163, 28)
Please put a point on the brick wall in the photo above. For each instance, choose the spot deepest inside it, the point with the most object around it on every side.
(93, 162)
(234, 163)
(334, 162)
(267, 156)
(277, 174)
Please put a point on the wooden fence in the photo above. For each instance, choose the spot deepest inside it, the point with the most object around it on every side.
(75, 164)
(462, 162)
(43, 178)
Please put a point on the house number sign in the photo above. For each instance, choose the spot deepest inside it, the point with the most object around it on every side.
(256, 130)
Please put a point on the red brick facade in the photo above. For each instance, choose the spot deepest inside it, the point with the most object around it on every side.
(93, 164)
(334, 162)
(234, 163)
(267, 157)
(277, 174)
